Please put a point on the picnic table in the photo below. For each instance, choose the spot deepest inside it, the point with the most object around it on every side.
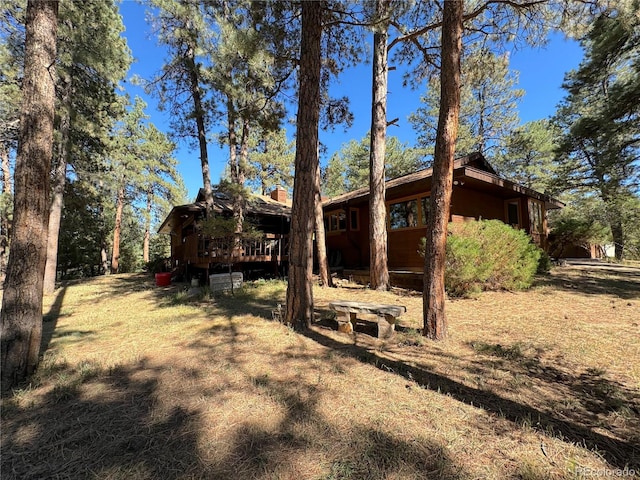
(386, 315)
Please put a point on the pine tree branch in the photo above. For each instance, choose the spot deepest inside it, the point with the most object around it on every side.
(470, 16)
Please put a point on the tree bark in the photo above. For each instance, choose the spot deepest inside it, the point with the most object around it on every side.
(617, 233)
(21, 317)
(104, 257)
(147, 231)
(378, 263)
(5, 223)
(6, 170)
(57, 190)
(435, 324)
(321, 244)
(237, 164)
(243, 159)
(300, 288)
(199, 114)
(115, 253)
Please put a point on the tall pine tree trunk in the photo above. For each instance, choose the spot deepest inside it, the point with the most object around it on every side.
(617, 233)
(147, 231)
(199, 114)
(300, 288)
(615, 214)
(6, 170)
(321, 244)
(232, 138)
(237, 163)
(115, 253)
(104, 257)
(21, 316)
(378, 264)
(435, 324)
(5, 224)
(57, 189)
(243, 161)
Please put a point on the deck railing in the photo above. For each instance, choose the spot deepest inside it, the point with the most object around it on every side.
(271, 247)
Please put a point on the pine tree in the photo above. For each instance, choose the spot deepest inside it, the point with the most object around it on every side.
(488, 105)
(527, 156)
(299, 289)
(271, 159)
(21, 316)
(141, 169)
(183, 28)
(600, 149)
(162, 185)
(348, 169)
(251, 68)
(11, 61)
(83, 228)
(93, 59)
(490, 22)
(435, 325)
(378, 264)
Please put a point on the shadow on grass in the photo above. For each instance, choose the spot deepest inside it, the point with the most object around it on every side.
(363, 452)
(113, 435)
(596, 394)
(50, 320)
(110, 423)
(604, 279)
(619, 453)
(107, 424)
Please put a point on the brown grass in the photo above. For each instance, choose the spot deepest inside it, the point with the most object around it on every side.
(140, 382)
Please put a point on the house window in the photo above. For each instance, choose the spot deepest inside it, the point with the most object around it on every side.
(354, 217)
(403, 214)
(337, 221)
(425, 204)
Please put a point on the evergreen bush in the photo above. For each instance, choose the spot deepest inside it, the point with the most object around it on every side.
(487, 255)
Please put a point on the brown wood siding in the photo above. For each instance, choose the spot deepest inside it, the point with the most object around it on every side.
(472, 203)
(353, 245)
(466, 204)
(403, 248)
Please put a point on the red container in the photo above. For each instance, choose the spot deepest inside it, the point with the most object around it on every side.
(163, 279)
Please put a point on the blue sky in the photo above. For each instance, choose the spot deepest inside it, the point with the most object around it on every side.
(541, 72)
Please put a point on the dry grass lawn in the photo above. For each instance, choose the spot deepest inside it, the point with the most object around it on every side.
(140, 382)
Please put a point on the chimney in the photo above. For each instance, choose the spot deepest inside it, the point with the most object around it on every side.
(279, 194)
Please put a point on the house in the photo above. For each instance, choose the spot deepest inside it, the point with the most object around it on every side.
(195, 254)
(478, 193)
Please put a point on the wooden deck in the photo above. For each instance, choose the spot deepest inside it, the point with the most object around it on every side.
(272, 248)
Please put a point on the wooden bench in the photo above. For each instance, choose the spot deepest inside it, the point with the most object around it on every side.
(387, 315)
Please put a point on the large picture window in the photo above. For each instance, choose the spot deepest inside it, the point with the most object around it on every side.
(403, 214)
(408, 213)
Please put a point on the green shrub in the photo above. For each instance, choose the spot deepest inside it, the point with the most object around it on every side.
(544, 264)
(488, 255)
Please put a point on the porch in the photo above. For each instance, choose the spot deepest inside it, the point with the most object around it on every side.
(202, 252)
